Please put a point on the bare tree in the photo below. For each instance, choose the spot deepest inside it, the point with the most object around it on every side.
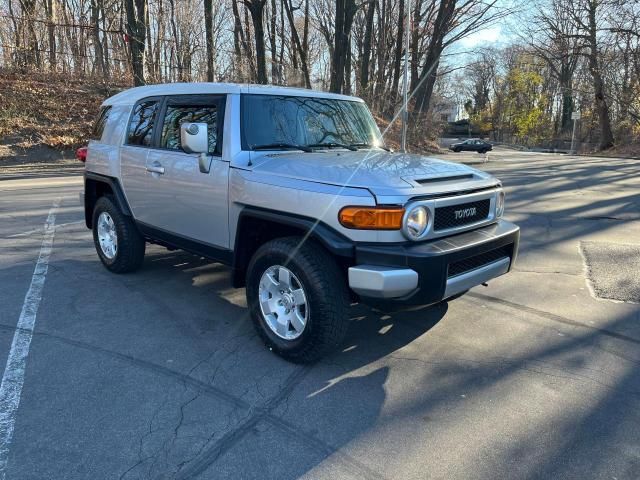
(345, 11)
(208, 23)
(588, 17)
(136, 11)
(256, 8)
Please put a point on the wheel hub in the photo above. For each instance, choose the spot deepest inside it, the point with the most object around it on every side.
(107, 235)
(288, 301)
(283, 302)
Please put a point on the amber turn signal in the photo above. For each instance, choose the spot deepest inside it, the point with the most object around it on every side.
(371, 218)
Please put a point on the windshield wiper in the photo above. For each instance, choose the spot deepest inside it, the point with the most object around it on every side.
(367, 145)
(334, 145)
(274, 146)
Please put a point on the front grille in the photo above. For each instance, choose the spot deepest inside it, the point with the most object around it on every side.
(471, 263)
(462, 214)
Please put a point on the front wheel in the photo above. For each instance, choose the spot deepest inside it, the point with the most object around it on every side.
(298, 299)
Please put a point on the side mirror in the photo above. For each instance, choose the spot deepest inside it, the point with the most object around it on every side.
(194, 137)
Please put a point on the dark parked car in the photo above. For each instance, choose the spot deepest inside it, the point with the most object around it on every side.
(472, 145)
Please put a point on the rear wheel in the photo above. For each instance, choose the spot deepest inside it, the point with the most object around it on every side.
(298, 299)
(119, 244)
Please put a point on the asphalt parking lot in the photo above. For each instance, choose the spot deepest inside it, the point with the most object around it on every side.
(159, 374)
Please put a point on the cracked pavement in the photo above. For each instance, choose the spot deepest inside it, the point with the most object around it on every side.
(160, 375)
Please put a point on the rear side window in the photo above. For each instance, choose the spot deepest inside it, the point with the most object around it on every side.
(141, 123)
(98, 127)
(177, 115)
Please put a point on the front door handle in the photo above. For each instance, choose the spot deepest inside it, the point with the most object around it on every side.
(155, 167)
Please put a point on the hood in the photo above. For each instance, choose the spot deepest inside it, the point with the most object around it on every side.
(381, 172)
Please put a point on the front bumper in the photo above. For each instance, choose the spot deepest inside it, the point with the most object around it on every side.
(428, 272)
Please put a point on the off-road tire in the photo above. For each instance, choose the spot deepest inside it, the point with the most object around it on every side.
(327, 297)
(131, 244)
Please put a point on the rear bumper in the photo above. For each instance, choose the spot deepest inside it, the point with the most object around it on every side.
(428, 272)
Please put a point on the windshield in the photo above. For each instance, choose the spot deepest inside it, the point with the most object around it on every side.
(276, 122)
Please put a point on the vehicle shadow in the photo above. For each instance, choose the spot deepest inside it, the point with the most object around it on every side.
(243, 367)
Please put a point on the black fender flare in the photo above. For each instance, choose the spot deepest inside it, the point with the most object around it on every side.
(334, 242)
(92, 192)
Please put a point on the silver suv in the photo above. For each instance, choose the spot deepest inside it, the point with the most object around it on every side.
(295, 190)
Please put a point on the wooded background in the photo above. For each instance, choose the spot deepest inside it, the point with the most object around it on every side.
(558, 56)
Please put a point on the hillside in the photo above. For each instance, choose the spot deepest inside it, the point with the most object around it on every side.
(44, 118)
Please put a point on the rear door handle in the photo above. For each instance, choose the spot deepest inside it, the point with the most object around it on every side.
(155, 167)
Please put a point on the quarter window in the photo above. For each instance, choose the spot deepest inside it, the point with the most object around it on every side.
(98, 127)
(177, 115)
(141, 124)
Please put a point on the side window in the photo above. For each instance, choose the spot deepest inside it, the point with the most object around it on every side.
(98, 127)
(141, 123)
(177, 115)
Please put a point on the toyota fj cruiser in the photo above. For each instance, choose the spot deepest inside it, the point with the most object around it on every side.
(295, 190)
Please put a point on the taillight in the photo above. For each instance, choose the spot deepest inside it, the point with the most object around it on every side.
(81, 154)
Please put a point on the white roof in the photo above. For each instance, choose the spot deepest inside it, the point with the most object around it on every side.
(132, 95)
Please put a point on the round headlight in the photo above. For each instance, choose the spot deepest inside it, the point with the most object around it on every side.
(416, 222)
(500, 203)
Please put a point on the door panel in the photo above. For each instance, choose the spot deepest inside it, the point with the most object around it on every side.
(135, 181)
(187, 202)
(163, 184)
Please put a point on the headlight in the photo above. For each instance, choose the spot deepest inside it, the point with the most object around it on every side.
(500, 203)
(415, 223)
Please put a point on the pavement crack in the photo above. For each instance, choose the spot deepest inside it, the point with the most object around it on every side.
(209, 456)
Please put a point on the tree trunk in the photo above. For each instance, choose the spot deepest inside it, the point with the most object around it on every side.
(606, 135)
(49, 7)
(345, 11)
(347, 70)
(256, 8)
(136, 30)
(97, 43)
(381, 52)
(415, 45)
(32, 54)
(273, 33)
(238, 39)
(397, 59)
(208, 26)
(366, 49)
(430, 69)
(302, 53)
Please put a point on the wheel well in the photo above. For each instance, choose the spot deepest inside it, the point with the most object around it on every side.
(93, 190)
(253, 232)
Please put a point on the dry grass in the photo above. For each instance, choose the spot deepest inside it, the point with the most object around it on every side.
(47, 110)
(423, 142)
(631, 150)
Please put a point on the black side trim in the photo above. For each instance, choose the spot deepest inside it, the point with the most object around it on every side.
(168, 239)
(91, 194)
(333, 241)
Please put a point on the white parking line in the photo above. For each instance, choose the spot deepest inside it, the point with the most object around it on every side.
(13, 378)
(39, 230)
